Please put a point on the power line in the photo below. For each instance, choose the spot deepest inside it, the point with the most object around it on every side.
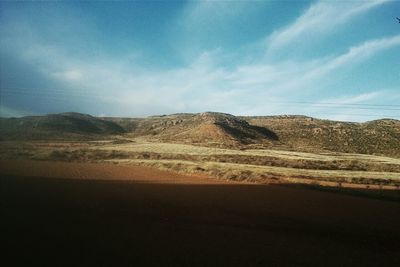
(331, 103)
(50, 93)
(61, 94)
(351, 107)
(360, 115)
(61, 91)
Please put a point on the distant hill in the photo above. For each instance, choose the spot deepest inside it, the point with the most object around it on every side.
(218, 129)
(64, 125)
(291, 132)
(305, 133)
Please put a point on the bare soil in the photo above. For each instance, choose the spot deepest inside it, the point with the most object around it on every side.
(99, 171)
(137, 216)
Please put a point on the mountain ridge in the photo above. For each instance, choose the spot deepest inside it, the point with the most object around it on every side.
(295, 132)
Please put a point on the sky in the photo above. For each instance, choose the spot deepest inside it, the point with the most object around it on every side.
(336, 60)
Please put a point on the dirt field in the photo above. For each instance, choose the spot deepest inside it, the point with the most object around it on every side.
(136, 216)
(98, 171)
(251, 165)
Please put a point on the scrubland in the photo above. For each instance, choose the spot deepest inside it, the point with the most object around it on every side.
(251, 165)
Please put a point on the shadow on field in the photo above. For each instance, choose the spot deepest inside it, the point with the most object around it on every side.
(62, 222)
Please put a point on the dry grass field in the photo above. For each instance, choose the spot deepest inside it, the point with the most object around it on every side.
(251, 165)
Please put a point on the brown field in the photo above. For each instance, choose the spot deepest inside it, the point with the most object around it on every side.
(90, 171)
(249, 165)
(82, 214)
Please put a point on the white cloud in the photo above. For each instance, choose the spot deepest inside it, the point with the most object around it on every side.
(363, 51)
(204, 84)
(319, 19)
(350, 107)
(208, 25)
(354, 99)
(306, 78)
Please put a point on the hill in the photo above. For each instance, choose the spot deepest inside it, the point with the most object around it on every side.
(64, 125)
(309, 134)
(208, 128)
(288, 132)
(299, 133)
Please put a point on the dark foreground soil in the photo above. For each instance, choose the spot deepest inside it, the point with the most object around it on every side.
(88, 222)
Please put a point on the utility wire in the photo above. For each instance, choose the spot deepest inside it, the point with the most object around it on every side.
(335, 104)
(61, 94)
(361, 115)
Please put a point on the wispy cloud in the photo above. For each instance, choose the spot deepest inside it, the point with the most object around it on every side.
(344, 108)
(202, 85)
(211, 25)
(355, 99)
(319, 19)
(121, 85)
(354, 55)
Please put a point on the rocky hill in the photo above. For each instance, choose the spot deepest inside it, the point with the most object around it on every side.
(309, 134)
(208, 128)
(218, 129)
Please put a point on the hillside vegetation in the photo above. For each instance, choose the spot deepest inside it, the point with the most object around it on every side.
(209, 128)
(298, 133)
(309, 134)
(57, 126)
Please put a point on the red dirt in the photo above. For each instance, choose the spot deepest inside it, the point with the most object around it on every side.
(98, 171)
(87, 222)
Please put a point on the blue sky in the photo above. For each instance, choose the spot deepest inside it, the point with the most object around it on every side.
(328, 59)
